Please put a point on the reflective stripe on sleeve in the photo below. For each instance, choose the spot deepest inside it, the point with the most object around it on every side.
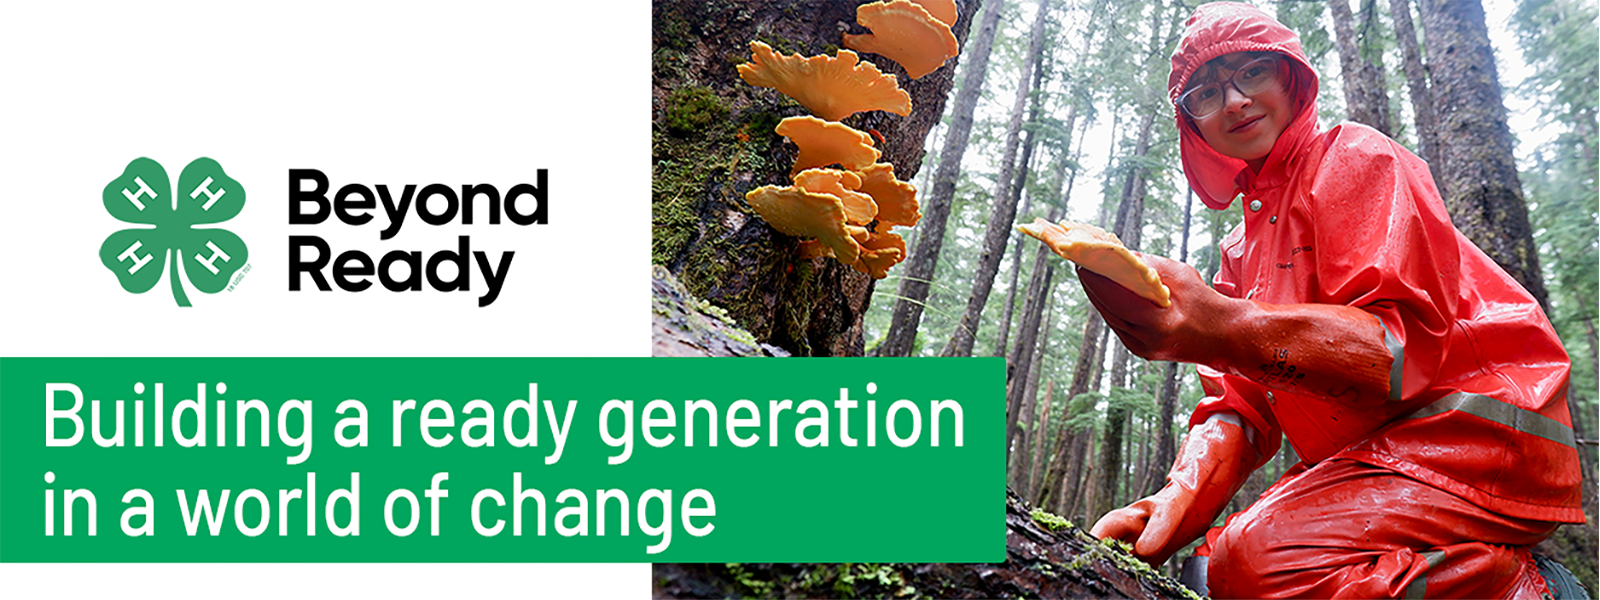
(1395, 369)
(1523, 420)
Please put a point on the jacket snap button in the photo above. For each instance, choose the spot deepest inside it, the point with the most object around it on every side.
(1274, 219)
(1255, 205)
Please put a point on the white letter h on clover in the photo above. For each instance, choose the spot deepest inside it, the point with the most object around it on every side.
(144, 190)
(205, 187)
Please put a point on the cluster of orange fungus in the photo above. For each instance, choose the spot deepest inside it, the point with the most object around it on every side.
(835, 209)
(859, 209)
(847, 212)
(896, 200)
(823, 143)
(879, 253)
(800, 213)
(831, 87)
(907, 33)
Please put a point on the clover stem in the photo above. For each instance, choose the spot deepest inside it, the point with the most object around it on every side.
(177, 279)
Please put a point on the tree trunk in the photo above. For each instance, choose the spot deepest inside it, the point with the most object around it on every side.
(1480, 182)
(1130, 219)
(1038, 443)
(1028, 145)
(1110, 459)
(1046, 557)
(924, 260)
(713, 141)
(1004, 212)
(1169, 387)
(1084, 454)
(1416, 82)
(1363, 82)
(1022, 356)
(1035, 371)
(1052, 491)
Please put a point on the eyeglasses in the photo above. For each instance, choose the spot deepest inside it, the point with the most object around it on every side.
(1253, 78)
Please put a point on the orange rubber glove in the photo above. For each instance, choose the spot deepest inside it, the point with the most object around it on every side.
(1333, 350)
(1213, 464)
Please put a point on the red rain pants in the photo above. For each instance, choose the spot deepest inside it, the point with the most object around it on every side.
(1344, 529)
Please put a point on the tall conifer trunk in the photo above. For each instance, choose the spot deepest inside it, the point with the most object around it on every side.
(920, 267)
(1479, 176)
(1004, 211)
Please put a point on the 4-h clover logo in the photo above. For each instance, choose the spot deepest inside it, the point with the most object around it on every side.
(206, 257)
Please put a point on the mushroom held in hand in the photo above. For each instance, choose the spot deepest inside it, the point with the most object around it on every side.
(905, 33)
(830, 87)
(1100, 251)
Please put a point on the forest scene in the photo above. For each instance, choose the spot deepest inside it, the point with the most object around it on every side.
(1059, 109)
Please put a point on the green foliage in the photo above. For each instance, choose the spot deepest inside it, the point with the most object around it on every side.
(1082, 413)
(1560, 40)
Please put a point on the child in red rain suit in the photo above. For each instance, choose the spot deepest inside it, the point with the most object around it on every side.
(1423, 389)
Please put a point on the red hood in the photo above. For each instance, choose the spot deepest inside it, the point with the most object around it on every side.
(1221, 28)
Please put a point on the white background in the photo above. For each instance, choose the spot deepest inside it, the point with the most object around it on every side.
(371, 93)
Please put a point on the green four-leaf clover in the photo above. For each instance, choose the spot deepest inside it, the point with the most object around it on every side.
(207, 257)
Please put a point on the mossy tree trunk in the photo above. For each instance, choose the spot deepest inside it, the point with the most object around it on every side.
(713, 141)
(1364, 93)
(1046, 557)
(1405, 36)
(1477, 173)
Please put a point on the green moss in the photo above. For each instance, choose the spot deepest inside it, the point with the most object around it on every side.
(749, 581)
(780, 44)
(1050, 521)
(692, 109)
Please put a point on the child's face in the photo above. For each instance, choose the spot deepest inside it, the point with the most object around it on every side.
(1245, 126)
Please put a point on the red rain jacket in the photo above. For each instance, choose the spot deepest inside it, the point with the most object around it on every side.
(1478, 403)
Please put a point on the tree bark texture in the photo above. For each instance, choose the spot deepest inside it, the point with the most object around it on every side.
(713, 141)
(1004, 212)
(1416, 82)
(920, 267)
(1364, 92)
(1479, 176)
(1022, 355)
(1038, 458)
(682, 325)
(1030, 409)
(1053, 490)
(1166, 450)
(1029, 144)
(1046, 557)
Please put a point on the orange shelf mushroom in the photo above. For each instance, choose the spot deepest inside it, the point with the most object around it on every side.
(879, 253)
(859, 209)
(905, 33)
(823, 143)
(896, 200)
(943, 10)
(800, 213)
(830, 87)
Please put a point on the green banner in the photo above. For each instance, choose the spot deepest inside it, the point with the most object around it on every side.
(451, 459)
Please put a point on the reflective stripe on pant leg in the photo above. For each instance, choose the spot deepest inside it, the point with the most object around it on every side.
(1419, 586)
